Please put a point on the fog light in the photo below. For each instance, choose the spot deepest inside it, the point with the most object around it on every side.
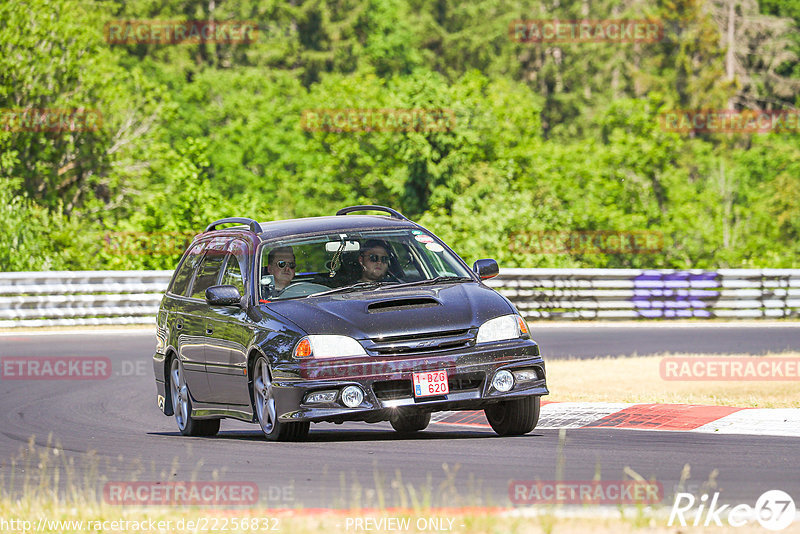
(503, 381)
(352, 396)
(526, 375)
(320, 396)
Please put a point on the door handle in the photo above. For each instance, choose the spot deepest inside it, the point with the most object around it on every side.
(209, 331)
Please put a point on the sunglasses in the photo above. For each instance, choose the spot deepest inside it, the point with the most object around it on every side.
(374, 258)
(283, 263)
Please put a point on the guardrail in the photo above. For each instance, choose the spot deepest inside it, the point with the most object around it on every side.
(650, 294)
(64, 298)
(132, 297)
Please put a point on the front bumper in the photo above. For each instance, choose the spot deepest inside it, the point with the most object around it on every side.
(387, 383)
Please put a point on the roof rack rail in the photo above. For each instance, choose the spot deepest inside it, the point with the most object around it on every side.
(394, 213)
(251, 223)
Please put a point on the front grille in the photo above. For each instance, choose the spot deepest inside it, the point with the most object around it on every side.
(424, 342)
(423, 335)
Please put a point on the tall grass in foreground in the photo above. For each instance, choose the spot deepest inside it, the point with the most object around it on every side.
(44, 483)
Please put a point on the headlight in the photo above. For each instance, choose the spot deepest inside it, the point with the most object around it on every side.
(503, 327)
(328, 347)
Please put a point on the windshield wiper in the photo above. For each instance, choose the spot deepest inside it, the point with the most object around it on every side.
(436, 280)
(353, 287)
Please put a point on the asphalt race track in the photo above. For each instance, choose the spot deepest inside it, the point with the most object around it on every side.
(113, 425)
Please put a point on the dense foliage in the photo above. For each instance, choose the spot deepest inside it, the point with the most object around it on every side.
(546, 136)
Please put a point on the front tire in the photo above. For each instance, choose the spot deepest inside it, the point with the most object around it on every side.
(514, 417)
(182, 405)
(407, 423)
(266, 410)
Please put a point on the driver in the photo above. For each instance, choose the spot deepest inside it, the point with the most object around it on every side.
(374, 260)
(281, 265)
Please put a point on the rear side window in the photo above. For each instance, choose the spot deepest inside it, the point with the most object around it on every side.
(184, 275)
(209, 271)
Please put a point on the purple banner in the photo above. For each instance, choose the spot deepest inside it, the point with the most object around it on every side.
(678, 294)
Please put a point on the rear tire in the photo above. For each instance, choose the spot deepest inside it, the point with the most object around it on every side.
(514, 417)
(266, 409)
(182, 405)
(407, 423)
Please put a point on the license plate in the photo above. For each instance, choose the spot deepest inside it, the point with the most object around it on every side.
(430, 383)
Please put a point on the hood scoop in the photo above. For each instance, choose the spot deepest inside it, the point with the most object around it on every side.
(407, 303)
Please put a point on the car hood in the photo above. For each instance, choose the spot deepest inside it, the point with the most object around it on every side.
(391, 312)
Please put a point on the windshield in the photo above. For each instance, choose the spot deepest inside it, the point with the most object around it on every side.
(354, 261)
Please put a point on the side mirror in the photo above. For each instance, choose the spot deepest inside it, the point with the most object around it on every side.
(486, 269)
(267, 284)
(223, 296)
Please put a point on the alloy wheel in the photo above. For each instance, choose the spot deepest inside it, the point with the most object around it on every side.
(264, 399)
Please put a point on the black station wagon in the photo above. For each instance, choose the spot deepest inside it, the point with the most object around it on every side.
(344, 318)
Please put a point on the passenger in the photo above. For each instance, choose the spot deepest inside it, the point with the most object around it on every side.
(281, 265)
(374, 260)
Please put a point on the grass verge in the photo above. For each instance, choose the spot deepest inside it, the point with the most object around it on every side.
(638, 380)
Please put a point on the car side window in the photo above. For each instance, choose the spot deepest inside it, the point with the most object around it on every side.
(180, 284)
(209, 271)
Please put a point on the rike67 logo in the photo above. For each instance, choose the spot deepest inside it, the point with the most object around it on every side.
(774, 510)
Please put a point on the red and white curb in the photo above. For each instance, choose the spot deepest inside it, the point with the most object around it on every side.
(674, 417)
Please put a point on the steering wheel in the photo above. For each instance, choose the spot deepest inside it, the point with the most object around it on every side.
(301, 289)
